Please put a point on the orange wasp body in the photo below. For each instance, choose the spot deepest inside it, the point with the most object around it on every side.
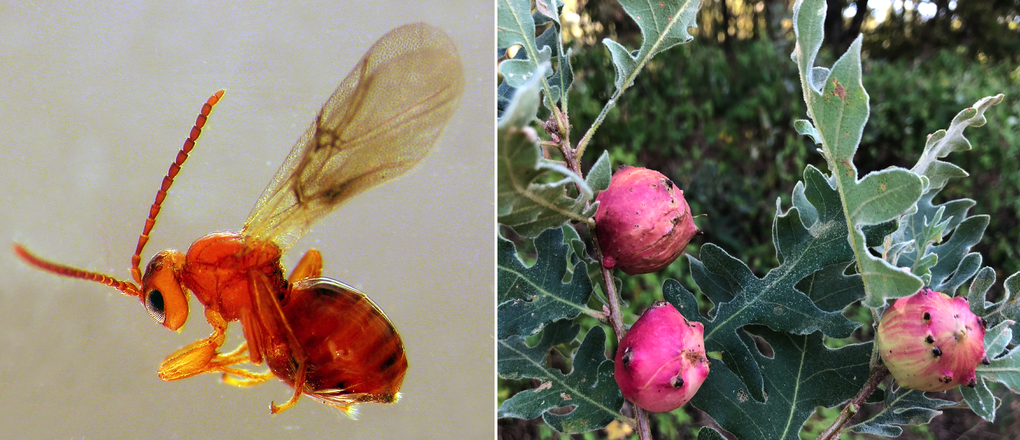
(321, 337)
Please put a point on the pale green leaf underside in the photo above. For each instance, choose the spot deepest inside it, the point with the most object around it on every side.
(600, 174)
(1005, 368)
(838, 105)
(531, 192)
(903, 407)
(663, 25)
(943, 142)
(515, 26)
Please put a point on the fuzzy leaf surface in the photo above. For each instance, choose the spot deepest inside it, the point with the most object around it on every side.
(943, 142)
(838, 106)
(516, 27)
(1008, 308)
(950, 264)
(1005, 366)
(803, 375)
(912, 230)
(600, 173)
(531, 297)
(590, 388)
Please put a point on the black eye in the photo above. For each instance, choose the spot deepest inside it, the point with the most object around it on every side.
(154, 305)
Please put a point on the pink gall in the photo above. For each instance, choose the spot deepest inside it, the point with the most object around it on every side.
(643, 222)
(931, 342)
(661, 361)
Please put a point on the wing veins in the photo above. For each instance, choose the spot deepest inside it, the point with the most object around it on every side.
(380, 122)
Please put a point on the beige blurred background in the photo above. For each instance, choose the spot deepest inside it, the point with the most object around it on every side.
(95, 102)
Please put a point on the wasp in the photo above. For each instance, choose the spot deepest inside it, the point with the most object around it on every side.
(321, 337)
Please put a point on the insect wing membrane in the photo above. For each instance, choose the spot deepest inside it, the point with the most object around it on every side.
(380, 122)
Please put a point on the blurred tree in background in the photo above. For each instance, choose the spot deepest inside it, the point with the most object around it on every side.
(982, 30)
(987, 29)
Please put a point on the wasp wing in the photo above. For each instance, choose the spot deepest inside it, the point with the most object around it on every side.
(379, 123)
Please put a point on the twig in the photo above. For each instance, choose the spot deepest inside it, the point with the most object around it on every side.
(573, 158)
(615, 315)
(616, 320)
(877, 376)
(644, 427)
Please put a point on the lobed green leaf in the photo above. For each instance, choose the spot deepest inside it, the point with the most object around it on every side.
(589, 389)
(530, 297)
(1003, 369)
(901, 407)
(1006, 309)
(515, 27)
(663, 25)
(943, 142)
(802, 375)
(838, 106)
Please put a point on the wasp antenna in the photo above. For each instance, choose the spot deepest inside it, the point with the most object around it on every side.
(168, 180)
(126, 287)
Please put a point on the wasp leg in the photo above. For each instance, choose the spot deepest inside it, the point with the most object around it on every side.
(244, 378)
(236, 376)
(241, 352)
(272, 318)
(201, 356)
(310, 266)
(299, 385)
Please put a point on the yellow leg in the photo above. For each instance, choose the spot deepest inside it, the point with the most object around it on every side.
(236, 376)
(310, 266)
(240, 352)
(202, 357)
(195, 358)
(244, 378)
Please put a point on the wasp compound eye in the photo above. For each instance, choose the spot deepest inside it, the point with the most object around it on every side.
(154, 305)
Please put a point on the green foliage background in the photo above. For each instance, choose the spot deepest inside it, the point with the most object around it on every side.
(721, 127)
(718, 120)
